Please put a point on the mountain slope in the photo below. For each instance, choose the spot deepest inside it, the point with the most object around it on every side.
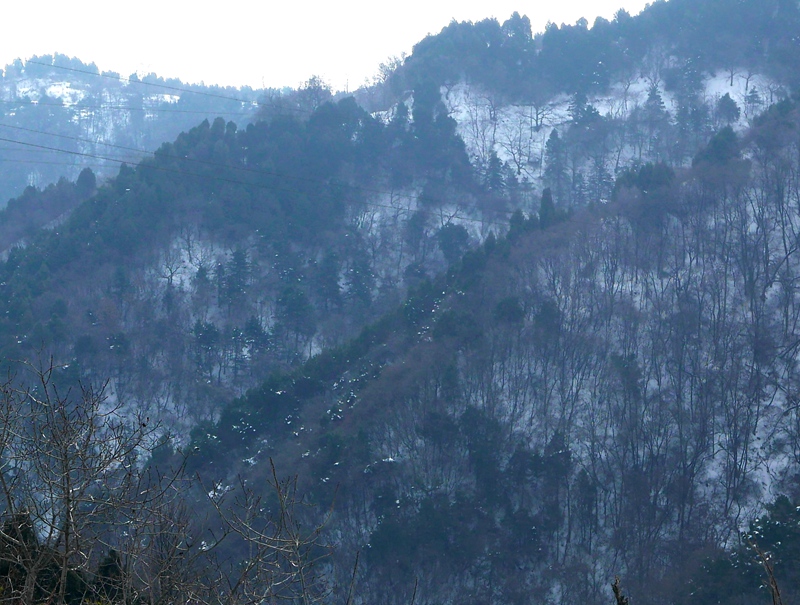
(602, 382)
(230, 253)
(59, 115)
(610, 393)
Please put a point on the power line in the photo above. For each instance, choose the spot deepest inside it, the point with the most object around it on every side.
(174, 88)
(68, 151)
(246, 169)
(18, 150)
(182, 159)
(73, 138)
(38, 162)
(48, 149)
(239, 182)
(80, 106)
(196, 160)
(137, 81)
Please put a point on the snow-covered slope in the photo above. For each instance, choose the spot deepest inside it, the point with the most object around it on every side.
(518, 134)
(55, 121)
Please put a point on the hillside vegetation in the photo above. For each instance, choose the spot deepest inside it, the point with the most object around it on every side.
(521, 317)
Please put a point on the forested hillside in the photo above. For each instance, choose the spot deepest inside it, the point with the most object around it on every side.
(606, 393)
(519, 318)
(677, 41)
(59, 115)
(234, 252)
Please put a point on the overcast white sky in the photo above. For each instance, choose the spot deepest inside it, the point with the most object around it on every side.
(257, 42)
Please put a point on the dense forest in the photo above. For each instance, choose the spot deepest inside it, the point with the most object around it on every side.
(517, 319)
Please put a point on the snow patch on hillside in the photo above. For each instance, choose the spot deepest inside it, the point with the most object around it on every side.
(65, 92)
(36, 89)
(164, 98)
(518, 134)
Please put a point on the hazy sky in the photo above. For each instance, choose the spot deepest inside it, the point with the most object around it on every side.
(260, 43)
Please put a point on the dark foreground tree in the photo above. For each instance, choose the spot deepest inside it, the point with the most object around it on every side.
(86, 516)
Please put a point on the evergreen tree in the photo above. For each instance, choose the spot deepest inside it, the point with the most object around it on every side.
(728, 111)
(295, 313)
(657, 121)
(453, 242)
(555, 167)
(236, 278)
(86, 183)
(327, 281)
(752, 103)
(547, 210)
(493, 174)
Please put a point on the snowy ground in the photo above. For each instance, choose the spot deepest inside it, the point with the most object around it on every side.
(512, 132)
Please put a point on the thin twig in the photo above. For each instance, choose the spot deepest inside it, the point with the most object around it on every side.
(352, 581)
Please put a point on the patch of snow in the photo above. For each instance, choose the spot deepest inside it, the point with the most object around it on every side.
(163, 98)
(518, 134)
(64, 91)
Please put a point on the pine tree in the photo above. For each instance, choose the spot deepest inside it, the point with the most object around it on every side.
(728, 111)
(555, 167)
(547, 210)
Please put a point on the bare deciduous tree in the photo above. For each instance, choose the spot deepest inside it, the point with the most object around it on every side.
(86, 515)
